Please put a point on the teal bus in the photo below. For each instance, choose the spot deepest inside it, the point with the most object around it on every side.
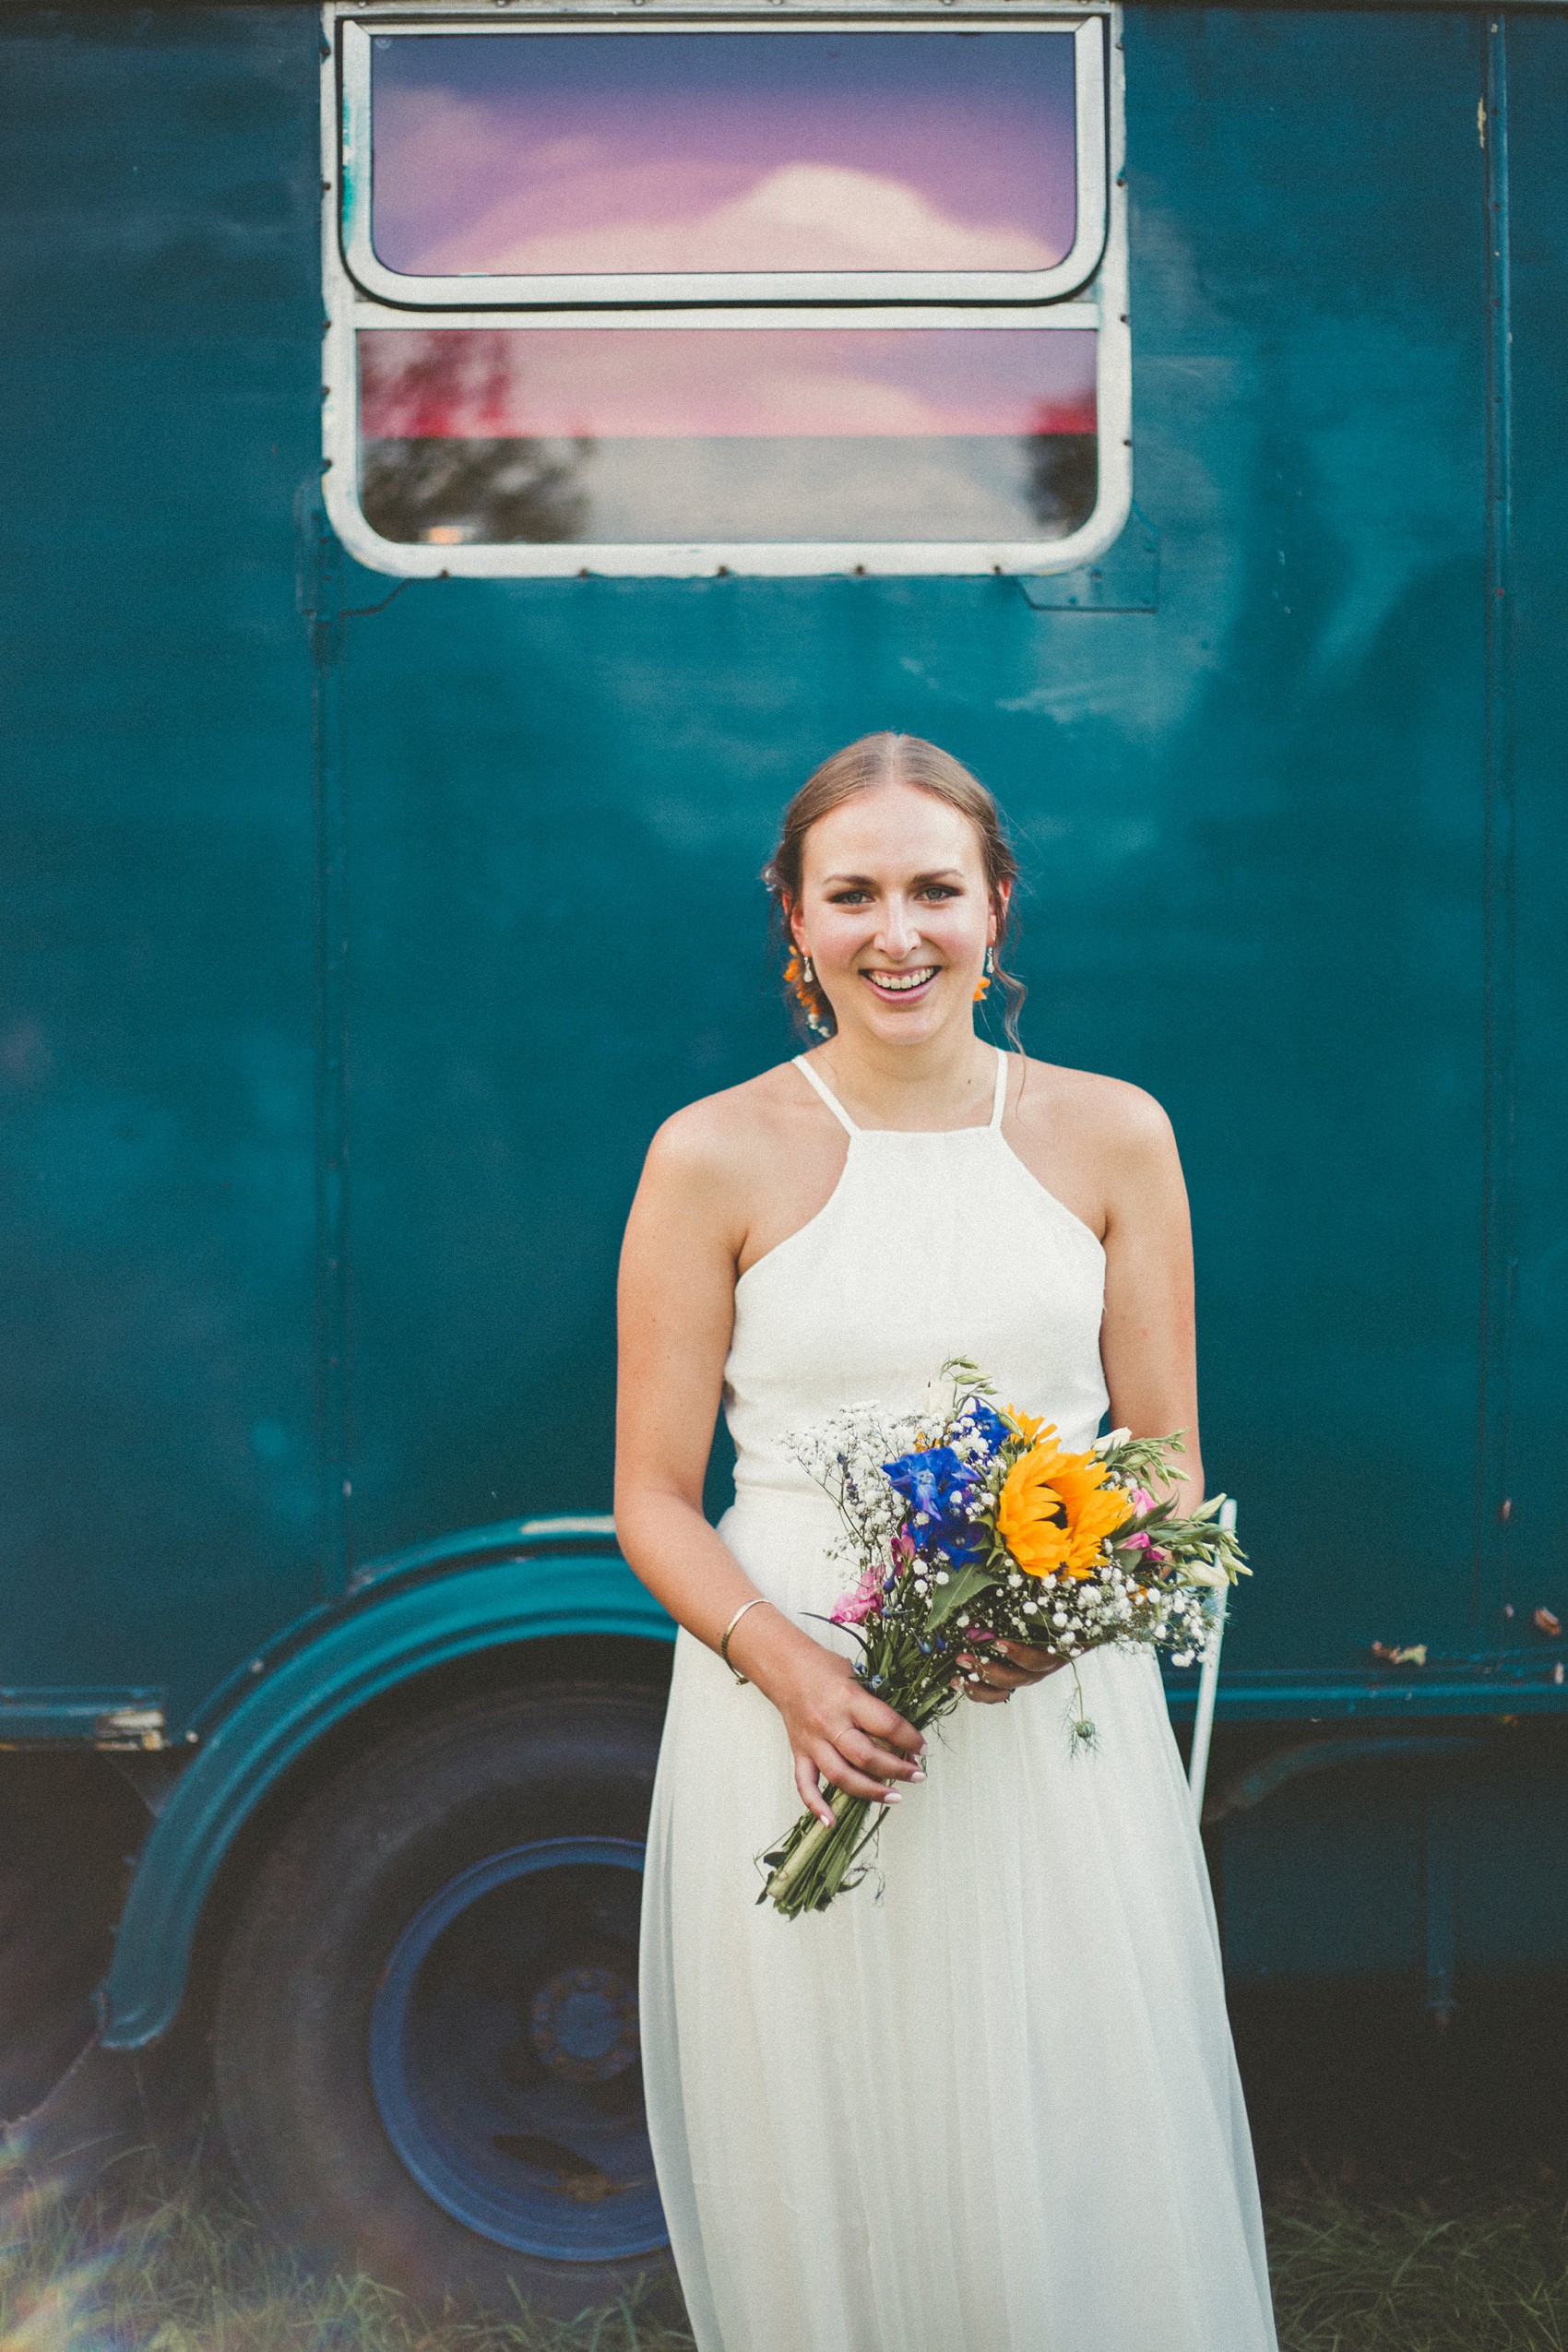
(470, 460)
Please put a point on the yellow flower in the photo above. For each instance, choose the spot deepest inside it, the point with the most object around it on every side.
(1025, 1423)
(1055, 1510)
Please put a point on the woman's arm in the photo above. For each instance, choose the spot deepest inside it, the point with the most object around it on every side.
(1147, 1340)
(677, 1298)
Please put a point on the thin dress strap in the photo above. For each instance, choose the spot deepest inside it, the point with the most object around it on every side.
(804, 1067)
(1000, 1105)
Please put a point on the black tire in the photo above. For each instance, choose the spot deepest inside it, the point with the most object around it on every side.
(378, 2019)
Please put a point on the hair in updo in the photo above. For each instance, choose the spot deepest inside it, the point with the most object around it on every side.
(887, 758)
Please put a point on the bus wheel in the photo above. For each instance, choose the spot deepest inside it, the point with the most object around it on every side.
(426, 2039)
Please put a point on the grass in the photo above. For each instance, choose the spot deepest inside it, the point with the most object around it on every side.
(166, 2257)
(1487, 2275)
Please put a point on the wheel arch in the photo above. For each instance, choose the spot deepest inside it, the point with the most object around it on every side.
(416, 1634)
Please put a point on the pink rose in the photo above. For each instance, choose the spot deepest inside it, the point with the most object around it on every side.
(853, 1609)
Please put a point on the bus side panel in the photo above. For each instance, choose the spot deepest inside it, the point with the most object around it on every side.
(1537, 1528)
(1251, 822)
(1310, 276)
(161, 330)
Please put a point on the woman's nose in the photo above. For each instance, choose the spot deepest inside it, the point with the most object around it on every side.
(898, 931)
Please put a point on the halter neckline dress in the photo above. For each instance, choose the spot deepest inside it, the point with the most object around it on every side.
(991, 2104)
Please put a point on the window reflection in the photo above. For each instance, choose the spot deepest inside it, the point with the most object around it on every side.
(717, 436)
(551, 153)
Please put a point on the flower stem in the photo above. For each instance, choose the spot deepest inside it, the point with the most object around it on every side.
(813, 1862)
(815, 1859)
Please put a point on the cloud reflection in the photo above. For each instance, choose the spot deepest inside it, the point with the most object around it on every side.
(606, 383)
(716, 151)
(802, 216)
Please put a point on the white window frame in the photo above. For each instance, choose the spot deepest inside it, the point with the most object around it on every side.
(354, 306)
(726, 286)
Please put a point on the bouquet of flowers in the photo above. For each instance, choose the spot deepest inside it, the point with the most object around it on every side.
(966, 1525)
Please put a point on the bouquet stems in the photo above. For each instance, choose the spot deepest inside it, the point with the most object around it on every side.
(807, 1871)
(813, 1862)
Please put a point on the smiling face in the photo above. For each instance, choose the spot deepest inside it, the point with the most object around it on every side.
(895, 914)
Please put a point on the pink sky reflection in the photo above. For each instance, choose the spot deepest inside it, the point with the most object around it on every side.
(546, 154)
(608, 384)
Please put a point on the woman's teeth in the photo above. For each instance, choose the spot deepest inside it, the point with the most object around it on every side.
(899, 983)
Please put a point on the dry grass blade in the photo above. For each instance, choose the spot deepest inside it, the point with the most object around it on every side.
(164, 2259)
(1381, 2278)
(169, 2258)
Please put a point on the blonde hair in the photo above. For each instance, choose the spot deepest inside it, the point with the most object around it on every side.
(887, 758)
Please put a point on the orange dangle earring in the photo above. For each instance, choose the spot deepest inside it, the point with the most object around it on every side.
(985, 983)
(801, 976)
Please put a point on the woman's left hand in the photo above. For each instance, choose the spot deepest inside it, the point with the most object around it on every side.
(1003, 1667)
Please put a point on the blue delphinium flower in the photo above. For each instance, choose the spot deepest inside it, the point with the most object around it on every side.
(938, 1486)
(989, 1427)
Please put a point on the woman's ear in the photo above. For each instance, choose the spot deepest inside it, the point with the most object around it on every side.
(1001, 898)
(792, 924)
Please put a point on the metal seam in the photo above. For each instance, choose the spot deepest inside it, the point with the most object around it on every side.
(1497, 1235)
(331, 1084)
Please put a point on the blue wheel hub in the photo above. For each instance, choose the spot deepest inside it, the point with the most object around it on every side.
(504, 2052)
(584, 2025)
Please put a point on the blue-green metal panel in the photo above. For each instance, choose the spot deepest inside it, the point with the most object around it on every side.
(327, 1672)
(1312, 343)
(1441, 1868)
(1326, 1881)
(1253, 823)
(1254, 820)
(1510, 1894)
(1535, 1538)
(1509, 1683)
(157, 1034)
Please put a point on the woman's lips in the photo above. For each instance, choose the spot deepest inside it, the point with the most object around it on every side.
(899, 988)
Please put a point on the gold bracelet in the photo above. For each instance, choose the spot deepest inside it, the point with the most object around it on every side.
(724, 1638)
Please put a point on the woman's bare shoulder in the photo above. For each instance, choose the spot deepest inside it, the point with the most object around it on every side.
(724, 1136)
(1111, 1114)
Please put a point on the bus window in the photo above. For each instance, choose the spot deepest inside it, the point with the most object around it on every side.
(537, 166)
(740, 295)
(615, 435)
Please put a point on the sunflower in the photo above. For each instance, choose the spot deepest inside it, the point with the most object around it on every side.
(1055, 1510)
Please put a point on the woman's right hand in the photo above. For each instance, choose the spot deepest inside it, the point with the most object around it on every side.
(838, 1732)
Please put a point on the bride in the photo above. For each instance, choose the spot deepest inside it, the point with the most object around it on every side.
(989, 2105)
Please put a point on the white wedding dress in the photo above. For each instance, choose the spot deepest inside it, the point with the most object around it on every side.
(993, 2107)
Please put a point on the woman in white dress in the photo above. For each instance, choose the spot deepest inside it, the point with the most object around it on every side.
(992, 2106)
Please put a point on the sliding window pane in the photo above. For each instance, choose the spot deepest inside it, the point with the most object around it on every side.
(693, 435)
(550, 153)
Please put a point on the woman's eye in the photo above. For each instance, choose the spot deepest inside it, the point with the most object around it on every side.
(939, 890)
(848, 899)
